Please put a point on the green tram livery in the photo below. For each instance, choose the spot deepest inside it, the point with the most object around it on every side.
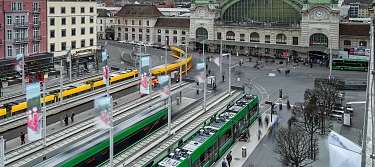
(211, 142)
(350, 64)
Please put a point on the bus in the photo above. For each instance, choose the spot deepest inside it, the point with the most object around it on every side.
(350, 64)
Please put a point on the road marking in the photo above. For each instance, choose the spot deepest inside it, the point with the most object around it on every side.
(356, 102)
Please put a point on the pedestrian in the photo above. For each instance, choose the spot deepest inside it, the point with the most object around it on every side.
(229, 157)
(288, 104)
(223, 78)
(311, 65)
(259, 133)
(223, 163)
(267, 121)
(22, 138)
(260, 121)
(72, 117)
(209, 72)
(278, 70)
(197, 91)
(66, 120)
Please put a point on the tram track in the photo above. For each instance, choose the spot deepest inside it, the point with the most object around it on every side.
(129, 156)
(27, 155)
(21, 96)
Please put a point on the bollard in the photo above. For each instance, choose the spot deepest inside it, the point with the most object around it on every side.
(244, 149)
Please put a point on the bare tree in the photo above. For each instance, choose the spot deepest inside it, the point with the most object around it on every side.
(292, 144)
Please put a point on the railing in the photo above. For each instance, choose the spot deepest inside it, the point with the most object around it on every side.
(36, 10)
(21, 24)
(20, 40)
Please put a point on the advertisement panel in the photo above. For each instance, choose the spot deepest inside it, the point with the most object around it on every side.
(145, 75)
(102, 107)
(199, 68)
(163, 86)
(18, 66)
(34, 112)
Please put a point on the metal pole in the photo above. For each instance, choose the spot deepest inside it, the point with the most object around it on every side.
(61, 81)
(2, 152)
(330, 60)
(229, 78)
(204, 81)
(220, 58)
(166, 56)
(169, 96)
(44, 111)
(186, 55)
(23, 74)
(110, 115)
(70, 66)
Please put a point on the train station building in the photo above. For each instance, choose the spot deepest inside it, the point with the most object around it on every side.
(251, 27)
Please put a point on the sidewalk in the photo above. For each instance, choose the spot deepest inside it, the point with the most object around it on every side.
(237, 159)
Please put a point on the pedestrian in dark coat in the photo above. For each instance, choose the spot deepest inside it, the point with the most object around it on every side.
(22, 138)
(72, 117)
(66, 120)
(223, 163)
(229, 157)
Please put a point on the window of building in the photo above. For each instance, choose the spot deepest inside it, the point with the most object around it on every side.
(281, 39)
(91, 9)
(36, 19)
(183, 40)
(133, 29)
(101, 28)
(63, 33)
(36, 6)
(51, 47)
(17, 20)
(73, 20)
(148, 38)
(63, 21)
(347, 42)
(148, 23)
(140, 37)
(23, 20)
(267, 39)
(218, 35)
(52, 34)
(62, 10)
(9, 34)
(9, 51)
(83, 31)
(73, 44)
(254, 37)
(139, 22)
(174, 31)
(36, 33)
(147, 30)
(133, 37)
(63, 46)
(51, 10)
(17, 6)
(183, 32)
(126, 29)
(73, 10)
(159, 38)
(126, 36)
(363, 43)
(174, 39)
(82, 9)
(9, 20)
(73, 31)
(83, 20)
(91, 42)
(159, 31)
(91, 30)
(83, 43)
(295, 40)
(132, 22)
(230, 35)
(36, 47)
(242, 37)
(167, 31)
(91, 19)
(140, 30)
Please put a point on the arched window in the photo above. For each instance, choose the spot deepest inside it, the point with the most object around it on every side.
(231, 35)
(319, 39)
(201, 34)
(281, 39)
(254, 37)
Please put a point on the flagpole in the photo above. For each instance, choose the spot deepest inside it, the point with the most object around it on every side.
(23, 74)
(220, 58)
(2, 152)
(204, 81)
(169, 84)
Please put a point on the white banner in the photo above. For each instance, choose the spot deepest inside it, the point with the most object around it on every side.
(103, 105)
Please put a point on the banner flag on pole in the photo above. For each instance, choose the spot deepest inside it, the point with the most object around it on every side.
(102, 107)
(199, 67)
(105, 68)
(19, 63)
(163, 86)
(34, 112)
(145, 75)
(217, 60)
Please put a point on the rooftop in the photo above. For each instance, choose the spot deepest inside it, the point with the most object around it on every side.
(354, 29)
(173, 22)
(136, 10)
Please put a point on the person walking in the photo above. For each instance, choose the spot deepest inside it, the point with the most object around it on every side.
(72, 117)
(22, 138)
(267, 120)
(259, 134)
(223, 163)
(66, 120)
(229, 158)
(223, 78)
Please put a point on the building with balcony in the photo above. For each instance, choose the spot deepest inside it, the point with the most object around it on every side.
(23, 27)
(105, 24)
(72, 25)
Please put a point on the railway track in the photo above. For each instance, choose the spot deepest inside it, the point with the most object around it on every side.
(55, 108)
(21, 96)
(31, 153)
(181, 126)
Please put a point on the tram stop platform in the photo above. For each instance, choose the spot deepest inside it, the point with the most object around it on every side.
(237, 158)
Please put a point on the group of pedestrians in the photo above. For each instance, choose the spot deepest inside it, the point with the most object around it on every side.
(228, 159)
